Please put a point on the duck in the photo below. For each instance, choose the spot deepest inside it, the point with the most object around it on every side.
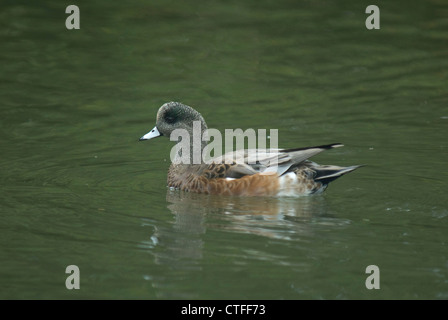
(246, 172)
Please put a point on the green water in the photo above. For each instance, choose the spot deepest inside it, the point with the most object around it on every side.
(76, 188)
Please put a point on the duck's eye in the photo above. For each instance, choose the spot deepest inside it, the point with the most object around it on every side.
(170, 119)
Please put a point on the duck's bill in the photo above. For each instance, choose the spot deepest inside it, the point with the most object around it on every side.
(154, 133)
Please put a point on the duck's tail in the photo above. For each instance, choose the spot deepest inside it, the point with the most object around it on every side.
(326, 174)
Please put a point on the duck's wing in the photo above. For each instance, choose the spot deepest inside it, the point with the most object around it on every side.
(265, 161)
(291, 158)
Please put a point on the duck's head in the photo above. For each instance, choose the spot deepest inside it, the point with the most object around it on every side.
(174, 115)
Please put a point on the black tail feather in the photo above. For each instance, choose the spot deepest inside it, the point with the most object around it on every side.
(326, 174)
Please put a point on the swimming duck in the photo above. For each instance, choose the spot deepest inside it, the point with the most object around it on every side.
(251, 172)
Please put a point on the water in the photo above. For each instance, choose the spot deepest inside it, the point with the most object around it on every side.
(77, 188)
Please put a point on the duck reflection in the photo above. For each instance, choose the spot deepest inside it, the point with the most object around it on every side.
(180, 245)
(186, 204)
(278, 218)
(268, 216)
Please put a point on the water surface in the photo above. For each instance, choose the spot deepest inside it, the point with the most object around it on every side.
(77, 188)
